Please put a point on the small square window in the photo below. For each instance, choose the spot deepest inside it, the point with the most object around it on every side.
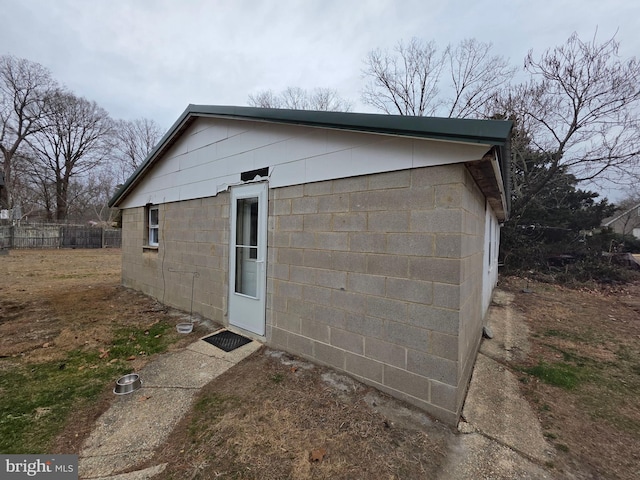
(154, 226)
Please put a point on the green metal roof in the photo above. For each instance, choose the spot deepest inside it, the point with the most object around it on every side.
(489, 132)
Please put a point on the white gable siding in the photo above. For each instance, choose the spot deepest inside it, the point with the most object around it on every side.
(212, 154)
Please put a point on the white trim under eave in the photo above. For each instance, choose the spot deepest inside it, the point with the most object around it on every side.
(495, 164)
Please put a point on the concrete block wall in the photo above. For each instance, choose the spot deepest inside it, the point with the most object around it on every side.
(471, 315)
(374, 275)
(138, 269)
(379, 276)
(193, 253)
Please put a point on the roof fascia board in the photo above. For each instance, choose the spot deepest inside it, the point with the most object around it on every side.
(165, 142)
(495, 164)
(485, 132)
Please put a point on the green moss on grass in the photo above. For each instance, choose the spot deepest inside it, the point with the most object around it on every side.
(560, 374)
(37, 398)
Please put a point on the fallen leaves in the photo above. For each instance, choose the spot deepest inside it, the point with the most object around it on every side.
(317, 455)
(104, 353)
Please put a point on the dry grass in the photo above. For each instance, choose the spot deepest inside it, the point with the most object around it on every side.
(63, 317)
(585, 366)
(274, 417)
(271, 419)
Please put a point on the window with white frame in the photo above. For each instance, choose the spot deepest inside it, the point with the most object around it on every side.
(154, 226)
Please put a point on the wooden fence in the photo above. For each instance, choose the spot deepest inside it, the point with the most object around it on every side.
(59, 236)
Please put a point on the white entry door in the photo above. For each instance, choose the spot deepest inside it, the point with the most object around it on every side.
(247, 255)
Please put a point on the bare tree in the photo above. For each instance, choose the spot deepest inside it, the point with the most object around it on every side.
(89, 197)
(476, 78)
(76, 141)
(50, 139)
(265, 99)
(580, 111)
(296, 98)
(101, 186)
(328, 100)
(32, 191)
(404, 81)
(411, 80)
(133, 141)
(25, 89)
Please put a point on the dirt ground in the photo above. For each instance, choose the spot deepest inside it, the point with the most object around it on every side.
(275, 414)
(274, 417)
(280, 415)
(56, 301)
(585, 342)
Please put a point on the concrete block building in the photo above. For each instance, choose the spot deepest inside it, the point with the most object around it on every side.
(365, 242)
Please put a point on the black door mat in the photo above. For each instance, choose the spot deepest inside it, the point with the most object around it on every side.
(227, 340)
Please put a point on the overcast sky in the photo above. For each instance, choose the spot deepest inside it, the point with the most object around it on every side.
(151, 58)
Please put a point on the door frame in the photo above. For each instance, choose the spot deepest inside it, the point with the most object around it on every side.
(245, 311)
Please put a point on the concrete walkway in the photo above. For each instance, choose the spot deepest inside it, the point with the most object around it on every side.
(128, 433)
(500, 436)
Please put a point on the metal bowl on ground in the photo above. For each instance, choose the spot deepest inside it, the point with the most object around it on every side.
(184, 327)
(127, 384)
